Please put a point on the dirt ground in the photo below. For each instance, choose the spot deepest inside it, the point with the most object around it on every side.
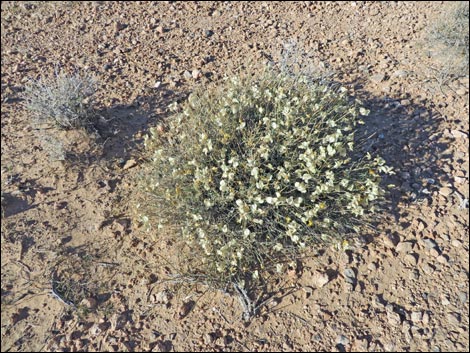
(79, 274)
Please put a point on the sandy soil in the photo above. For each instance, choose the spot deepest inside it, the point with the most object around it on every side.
(69, 228)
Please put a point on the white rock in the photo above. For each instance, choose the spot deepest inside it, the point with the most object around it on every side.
(320, 279)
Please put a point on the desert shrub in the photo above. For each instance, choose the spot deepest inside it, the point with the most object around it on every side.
(255, 171)
(63, 100)
(447, 37)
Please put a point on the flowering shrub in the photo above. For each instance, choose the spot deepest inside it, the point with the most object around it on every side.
(257, 170)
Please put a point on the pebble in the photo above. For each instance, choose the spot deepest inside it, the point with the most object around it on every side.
(429, 243)
(413, 275)
(341, 339)
(390, 347)
(372, 266)
(208, 338)
(162, 297)
(428, 269)
(411, 259)
(400, 74)
(442, 259)
(425, 318)
(320, 279)
(433, 252)
(208, 33)
(405, 102)
(95, 330)
(459, 134)
(445, 300)
(404, 246)
(130, 163)
(196, 74)
(391, 240)
(453, 318)
(416, 316)
(349, 275)
(118, 26)
(360, 345)
(456, 243)
(445, 191)
(89, 303)
(377, 78)
(187, 75)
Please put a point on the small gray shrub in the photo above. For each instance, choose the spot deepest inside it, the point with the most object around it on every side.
(448, 37)
(64, 100)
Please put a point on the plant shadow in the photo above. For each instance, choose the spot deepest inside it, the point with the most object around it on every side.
(121, 128)
(409, 137)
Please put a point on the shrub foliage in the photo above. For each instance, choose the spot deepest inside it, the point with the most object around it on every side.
(255, 171)
(63, 100)
(448, 36)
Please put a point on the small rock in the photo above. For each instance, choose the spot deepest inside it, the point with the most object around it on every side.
(404, 246)
(118, 26)
(372, 266)
(130, 163)
(416, 316)
(445, 191)
(400, 74)
(196, 74)
(429, 243)
(413, 274)
(428, 269)
(411, 259)
(463, 297)
(459, 134)
(405, 175)
(360, 345)
(456, 243)
(341, 339)
(162, 297)
(95, 330)
(377, 78)
(122, 224)
(208, 338)
(320, 279)
(445, 300)
(160, 29)
(186, 308)
(453, 318)
(377, 302)
(187, 75)
(433, 252)
(460, 180)
(208, 33)
(163, 346)
(391, 240)
(393, 318)
(349, 276)
(425, 318)
(89, 303)
(405, 102)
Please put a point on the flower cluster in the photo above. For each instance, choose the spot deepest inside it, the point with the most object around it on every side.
(260, 168)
